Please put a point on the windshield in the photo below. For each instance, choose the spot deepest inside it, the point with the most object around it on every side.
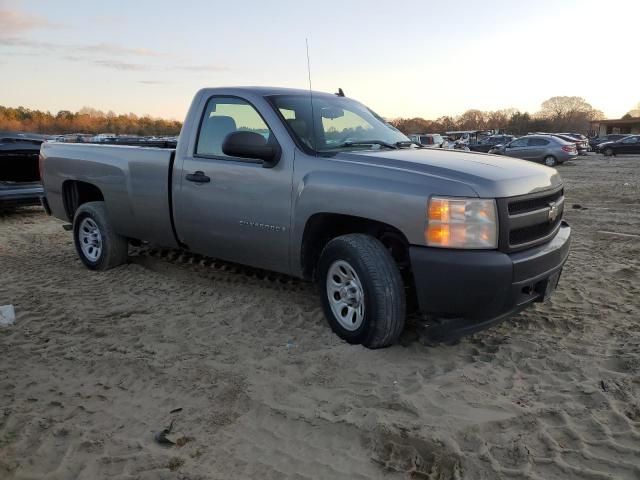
(337, 124)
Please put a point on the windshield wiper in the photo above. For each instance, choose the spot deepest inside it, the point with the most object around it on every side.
(355, 143)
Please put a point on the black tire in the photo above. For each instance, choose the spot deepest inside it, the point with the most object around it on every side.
(114, 248)
(608, 152)
(382, 288)
(550, 161)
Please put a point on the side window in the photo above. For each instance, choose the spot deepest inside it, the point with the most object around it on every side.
(225, 115)
(631, 140)
(288, 114)
(521, 142)
(538, 142)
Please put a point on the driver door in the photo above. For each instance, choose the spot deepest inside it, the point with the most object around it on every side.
(233, 208)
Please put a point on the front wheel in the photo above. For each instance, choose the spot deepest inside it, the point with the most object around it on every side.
(362, 291)
(98, 246)
(550, 161)
(608, 152)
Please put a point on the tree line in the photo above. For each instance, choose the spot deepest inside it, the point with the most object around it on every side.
(86, 120)
(557, 114)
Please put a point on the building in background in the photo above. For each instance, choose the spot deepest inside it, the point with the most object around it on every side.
(630, 125)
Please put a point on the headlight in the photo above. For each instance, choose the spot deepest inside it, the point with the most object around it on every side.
(461, 223)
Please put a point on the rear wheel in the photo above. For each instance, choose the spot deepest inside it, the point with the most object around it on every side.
(362, 291)
(98, 245)
(550, 161)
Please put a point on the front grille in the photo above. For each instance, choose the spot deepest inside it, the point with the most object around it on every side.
(527, 205)
(532, 233)
(528, 220)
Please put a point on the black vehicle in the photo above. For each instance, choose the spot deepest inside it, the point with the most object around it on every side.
(488, 143)
(596, 141)
(629, 144)
(19, 173)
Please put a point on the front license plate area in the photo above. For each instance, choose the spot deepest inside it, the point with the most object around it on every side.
(552, 283)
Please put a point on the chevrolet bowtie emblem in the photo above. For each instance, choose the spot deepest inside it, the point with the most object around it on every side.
(553, 211)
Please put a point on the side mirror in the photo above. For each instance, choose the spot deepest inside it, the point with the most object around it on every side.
(245, 144)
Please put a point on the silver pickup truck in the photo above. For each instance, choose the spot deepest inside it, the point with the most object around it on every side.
(318, 186)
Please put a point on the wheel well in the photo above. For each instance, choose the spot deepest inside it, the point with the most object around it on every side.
(75, 193)
(323, 227)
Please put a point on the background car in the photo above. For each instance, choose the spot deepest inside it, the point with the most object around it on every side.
(490, 142)
(584, 141)
(434, 140)
(19, 172)
(548, 149)
(581, 145)
(596, 141)
(629, 144)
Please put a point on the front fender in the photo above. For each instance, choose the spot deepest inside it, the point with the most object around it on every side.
(400, 204)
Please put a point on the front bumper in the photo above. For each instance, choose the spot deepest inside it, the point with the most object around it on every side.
(473, 289)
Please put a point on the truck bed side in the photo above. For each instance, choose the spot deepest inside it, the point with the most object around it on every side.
(133, 181)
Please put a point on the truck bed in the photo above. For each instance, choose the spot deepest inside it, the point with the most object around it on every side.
(134, 182)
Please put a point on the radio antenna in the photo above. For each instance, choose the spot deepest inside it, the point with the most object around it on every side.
(313, 117)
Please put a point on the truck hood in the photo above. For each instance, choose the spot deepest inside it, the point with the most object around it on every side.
(490, 176)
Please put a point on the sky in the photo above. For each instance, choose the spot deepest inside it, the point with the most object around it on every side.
(402, 58)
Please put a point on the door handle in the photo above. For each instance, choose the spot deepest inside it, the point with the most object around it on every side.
(198, 177)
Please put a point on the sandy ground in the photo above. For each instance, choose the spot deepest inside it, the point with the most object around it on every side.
(97, 361)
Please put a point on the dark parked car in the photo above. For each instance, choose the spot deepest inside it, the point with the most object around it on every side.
(488, 143)
(547, 149)
(19, 175)
(629, 144)
(596, 141)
